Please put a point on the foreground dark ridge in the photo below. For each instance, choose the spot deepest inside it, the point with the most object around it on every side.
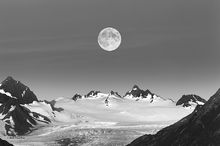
(4, 143)
(200, 128)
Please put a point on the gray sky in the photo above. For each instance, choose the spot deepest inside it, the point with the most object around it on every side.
(168, 46)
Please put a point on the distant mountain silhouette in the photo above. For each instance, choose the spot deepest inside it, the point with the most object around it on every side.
(200, 128)
(189, 100)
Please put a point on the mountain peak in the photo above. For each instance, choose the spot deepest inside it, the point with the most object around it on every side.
(76, 97)
(15, 89)
(190, 100)
(9, 79)
(17, 117)
(135, 87)
(112, 92)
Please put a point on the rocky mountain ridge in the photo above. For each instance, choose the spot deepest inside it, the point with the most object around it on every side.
(190, 100)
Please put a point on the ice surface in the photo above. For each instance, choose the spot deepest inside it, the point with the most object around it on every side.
(124, 110)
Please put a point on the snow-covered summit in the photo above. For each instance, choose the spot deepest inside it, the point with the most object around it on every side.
(138, 94)
(190, 100)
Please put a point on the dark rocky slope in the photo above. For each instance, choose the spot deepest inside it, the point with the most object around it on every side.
(200, 128)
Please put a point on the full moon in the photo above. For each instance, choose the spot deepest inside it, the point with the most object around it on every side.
(109, 39)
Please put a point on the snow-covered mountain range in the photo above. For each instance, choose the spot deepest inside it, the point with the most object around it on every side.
(135, 94)
(22, 112)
